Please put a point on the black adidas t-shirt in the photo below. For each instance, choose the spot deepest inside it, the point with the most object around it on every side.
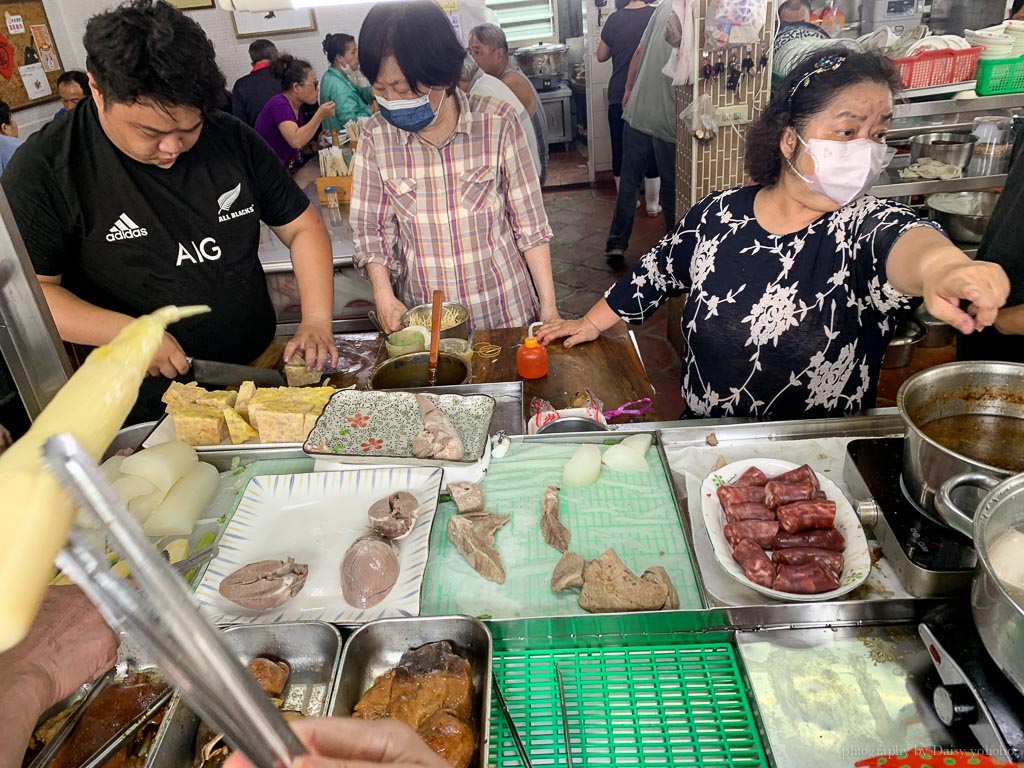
(132, 238)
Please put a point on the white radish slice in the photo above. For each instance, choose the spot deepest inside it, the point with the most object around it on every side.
(163, 465)
(639, 443)
(130, 487)
(111, 468)
(184, 503)
(624, 459)
(142, 507)
(583, 468)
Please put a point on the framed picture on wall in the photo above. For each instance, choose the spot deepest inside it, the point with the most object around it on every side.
(248, 24)
(191, 5)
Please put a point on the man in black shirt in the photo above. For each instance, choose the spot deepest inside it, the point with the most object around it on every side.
(147, 196)
(253, 91)
(1003, 244)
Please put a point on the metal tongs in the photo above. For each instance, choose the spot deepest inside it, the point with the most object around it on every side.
(162, 617)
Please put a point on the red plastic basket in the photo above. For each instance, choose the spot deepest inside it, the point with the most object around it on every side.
(932, 68)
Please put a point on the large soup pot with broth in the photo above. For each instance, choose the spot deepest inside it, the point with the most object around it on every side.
(964, 434)
(997, 591)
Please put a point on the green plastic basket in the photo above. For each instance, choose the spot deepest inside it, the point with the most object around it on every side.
(681, 705)
(996, 76)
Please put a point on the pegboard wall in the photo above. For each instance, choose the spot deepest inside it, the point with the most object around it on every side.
(702, 168)
(29, 61)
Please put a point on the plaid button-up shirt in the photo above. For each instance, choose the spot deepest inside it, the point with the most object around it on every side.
(457, 217)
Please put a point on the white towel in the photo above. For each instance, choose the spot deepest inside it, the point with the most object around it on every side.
(680, 63)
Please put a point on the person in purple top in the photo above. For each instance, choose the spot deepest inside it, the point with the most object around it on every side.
(281, 122)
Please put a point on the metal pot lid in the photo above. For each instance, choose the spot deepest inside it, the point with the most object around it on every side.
(542, 48)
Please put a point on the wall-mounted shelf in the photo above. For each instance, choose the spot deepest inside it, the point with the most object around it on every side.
(937, 90)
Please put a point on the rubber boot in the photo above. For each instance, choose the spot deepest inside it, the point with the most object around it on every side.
(652, 194)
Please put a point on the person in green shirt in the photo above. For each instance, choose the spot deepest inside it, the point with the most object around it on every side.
(339, 82)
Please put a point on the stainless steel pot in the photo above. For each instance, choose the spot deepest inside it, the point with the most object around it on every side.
(910, 332)
(962, 227)
(420, 315)
(998, 613)
(410, 371)
(955, 149)
(950, 390)
(544, 60)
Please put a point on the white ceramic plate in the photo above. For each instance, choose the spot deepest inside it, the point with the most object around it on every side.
(856, 558)
(314, 518)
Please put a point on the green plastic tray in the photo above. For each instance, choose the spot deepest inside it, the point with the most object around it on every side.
(680, 705)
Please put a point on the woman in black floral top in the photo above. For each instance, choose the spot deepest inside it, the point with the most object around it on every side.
(793, 284)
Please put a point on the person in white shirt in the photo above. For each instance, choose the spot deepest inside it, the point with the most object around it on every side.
(474, 80)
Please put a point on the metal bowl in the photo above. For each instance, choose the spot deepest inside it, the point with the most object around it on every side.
(956, 149)
(420, 315)
(411, 371)
(937, 333)
(961, 227)
(572, 424)
(909, 332)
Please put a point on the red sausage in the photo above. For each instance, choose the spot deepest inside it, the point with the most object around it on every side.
(802, 474)
(808, 579)
(778, 494)
(822, 538)
(752, 476)
(750, 510)
(729, 494)
(756, 565)
(761, 531)
(803, 555)
(805, 515)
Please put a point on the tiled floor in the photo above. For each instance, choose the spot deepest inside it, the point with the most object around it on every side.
(567, 167)
(580, 217)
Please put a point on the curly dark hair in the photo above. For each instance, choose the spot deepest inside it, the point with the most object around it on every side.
(289, 70)
(335, 45)
(147, 50)
(420, 37)
(792, 106)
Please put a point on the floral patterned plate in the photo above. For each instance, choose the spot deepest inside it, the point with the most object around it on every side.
(856, 557)
(370, 427)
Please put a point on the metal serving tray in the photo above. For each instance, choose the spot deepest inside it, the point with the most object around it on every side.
(378, 646)
(311, 648)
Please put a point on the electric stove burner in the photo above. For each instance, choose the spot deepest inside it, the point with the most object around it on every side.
(931, 559)
(974, 693)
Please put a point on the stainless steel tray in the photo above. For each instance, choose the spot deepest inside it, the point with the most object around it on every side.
(376, 647)
(311, 648)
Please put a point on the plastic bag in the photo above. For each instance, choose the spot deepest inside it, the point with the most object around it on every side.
(701, 118)
(731, 23)
(544, 412)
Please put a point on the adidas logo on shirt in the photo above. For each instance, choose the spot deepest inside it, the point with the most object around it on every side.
(125, 229)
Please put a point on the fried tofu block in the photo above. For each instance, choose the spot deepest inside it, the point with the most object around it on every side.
(238, 428)
(292, 412)
(297, 375)
(178, 395)
(218, 398)
(280, 425)
(245, 393)
(200, 425)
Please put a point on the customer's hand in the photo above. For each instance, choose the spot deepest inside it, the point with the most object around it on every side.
(390, 312)
(316, 343)
(341, 742)
(324, 111)
(170, 360)
(573, 331)
(983, 284)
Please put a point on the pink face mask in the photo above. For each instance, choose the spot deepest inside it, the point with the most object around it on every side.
(843, 170)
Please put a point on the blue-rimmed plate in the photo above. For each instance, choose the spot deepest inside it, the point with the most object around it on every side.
(314, 518)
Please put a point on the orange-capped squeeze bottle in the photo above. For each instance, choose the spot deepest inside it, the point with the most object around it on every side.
(532, 358)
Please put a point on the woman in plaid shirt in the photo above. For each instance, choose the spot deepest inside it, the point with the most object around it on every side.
(445, 193)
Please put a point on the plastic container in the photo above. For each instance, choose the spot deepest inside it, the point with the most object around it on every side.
(993, 150)
(532, 358)
(996, 76)
(933, 68)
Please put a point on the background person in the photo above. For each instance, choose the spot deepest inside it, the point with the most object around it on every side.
(795, 283)
(73, 87)
(339, 83)
(251, 92)
(488, 45)
(620, 37)
(281, 122)
(444, 192)
(9, 141)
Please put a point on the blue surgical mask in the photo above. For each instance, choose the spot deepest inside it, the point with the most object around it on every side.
(409, 114)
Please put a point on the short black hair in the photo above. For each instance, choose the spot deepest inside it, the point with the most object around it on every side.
(335, 45)
(289, 70)
(262, 50)
(75, 76)
(807, 91)
(5, 113)
(1017, 5)
(420, 37)
(792, 5)
(147, 50)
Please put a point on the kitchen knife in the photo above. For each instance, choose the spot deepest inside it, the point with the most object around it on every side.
(230, 375)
